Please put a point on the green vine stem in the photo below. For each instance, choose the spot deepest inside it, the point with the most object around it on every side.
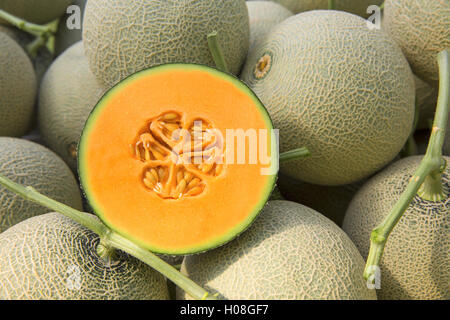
(216, 52)
(110, 239)
(294, 154)
(331, 5)
(426, 181)
(44, 33)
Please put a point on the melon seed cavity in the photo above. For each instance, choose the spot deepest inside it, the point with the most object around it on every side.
(178, 156)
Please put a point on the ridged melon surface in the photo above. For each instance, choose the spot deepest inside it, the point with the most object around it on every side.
(264, 15)
(68, 94)
(36, 11)
(66, 37)
(422, 29)
(416, 261)
(426, 99)
(52, 257)
(290, 252)
(358, 7)
(17, 88)
(347, 94)
(332, 202)
(125, 36)
(33, 165)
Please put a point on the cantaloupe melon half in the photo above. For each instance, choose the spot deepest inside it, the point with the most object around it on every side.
(129, 170)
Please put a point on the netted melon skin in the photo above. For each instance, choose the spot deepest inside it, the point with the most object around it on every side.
(51, 257)
(125, 36)
(358, 7)
(422, 29)
(264, 15)
(416, 261)
(68, 94)
(290, 252)
(18, 88)
(36, 11)
(31, 164)
(346, 93)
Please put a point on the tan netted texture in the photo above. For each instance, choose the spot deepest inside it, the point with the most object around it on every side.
(333, 85)
(422, 29)
(290, 252)
(52, 257)
(416, 261)
(125, 36)
(31, 164)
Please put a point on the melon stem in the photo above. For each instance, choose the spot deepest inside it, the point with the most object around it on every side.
(216, 52)
(44, 33)
(426, 181)
(331, 5)
(109, 239)
(294, 154)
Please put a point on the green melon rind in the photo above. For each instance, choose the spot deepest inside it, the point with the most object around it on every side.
(125, 36)
(347, 95)
(68, 93)
(416, 261)
(290, 252)
(35, 11)
(97, 208)
(358, 7)
(18, 88)
(51, 257)
(264, 15)
(31, 164)
(422, 29)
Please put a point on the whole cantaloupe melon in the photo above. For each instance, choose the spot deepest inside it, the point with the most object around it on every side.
(35, 11)
(347, 94)
(30, 164)
(290, 252)
(68, 94)
(264, 15)
(422, 29)
(17, 88)
(125, 36)
(416, 261)
(52, 257)
(358, 7)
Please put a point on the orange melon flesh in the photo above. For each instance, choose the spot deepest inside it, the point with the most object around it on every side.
(112, 170)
